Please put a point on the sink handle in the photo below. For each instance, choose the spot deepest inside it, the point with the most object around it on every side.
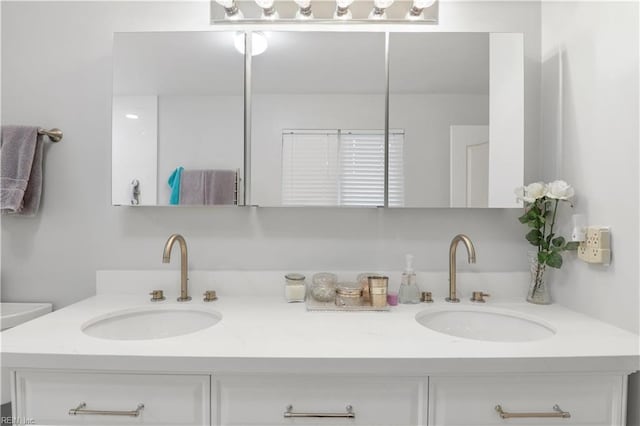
(478, 296)
(157, 295)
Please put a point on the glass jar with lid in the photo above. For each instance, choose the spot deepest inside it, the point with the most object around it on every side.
(348, 294)
(295, 287)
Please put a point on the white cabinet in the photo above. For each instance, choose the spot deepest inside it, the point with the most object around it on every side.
(46, 397)
(262, 400)
(590, 400)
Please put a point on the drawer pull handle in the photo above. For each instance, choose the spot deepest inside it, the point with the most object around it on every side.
(348, 415)
(80, 409)
(557, 413)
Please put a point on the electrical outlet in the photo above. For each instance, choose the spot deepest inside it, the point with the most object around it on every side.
(596, 248)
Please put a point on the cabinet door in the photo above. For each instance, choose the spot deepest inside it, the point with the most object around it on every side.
(591, 400)
(262, 400)
(47, 397)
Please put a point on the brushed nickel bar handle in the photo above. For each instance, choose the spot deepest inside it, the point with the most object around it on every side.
(80, 409)
(557, 413)
(289, 414)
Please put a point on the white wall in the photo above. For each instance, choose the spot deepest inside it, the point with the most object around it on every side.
(62, 77)
(590, 51)
(590, 128)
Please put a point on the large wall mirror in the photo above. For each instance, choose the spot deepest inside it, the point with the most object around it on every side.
(332, 116)
(178, 126)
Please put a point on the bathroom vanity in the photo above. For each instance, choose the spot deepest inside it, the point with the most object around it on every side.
(266, 362)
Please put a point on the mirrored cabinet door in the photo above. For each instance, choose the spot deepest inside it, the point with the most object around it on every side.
(456, 119)
(318, 119)
(178, 110)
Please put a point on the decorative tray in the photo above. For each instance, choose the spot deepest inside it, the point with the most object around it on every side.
(314, 305)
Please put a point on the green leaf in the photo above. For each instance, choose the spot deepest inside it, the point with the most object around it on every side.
(554, 260)
(534, 237)
(523, 218)
(558, 242)
(542, 257)
(572, 245)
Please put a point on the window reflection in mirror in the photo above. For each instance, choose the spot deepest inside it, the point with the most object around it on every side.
(318, 106)
(178, 107)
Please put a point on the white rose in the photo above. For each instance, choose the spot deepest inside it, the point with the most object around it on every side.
(560, 190)
(531, 192)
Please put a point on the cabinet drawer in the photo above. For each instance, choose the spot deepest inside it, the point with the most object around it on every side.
(46, 397)
(470, 401)
(262, 400)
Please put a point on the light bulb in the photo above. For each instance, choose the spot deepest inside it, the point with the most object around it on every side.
(268, 9)
(382, 4)
(417, 10)
(231, 10)
(304, 11)
(379, 9)
(258, 43)
(342, 9)
(423, 4)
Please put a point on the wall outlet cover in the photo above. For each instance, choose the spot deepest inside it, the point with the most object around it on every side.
(596, 248)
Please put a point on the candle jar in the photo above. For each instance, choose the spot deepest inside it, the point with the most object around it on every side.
(348, 294)
(295, 287)
(378, 287)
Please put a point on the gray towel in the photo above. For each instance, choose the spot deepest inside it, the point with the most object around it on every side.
(20, 170)
(208, 187)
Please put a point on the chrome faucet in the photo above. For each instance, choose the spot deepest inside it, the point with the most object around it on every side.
(166, 257)
(471, 251)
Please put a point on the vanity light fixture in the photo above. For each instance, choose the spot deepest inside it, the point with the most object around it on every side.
(304, 11)
(258, 43)
(231, 10)
(269, 11)
(417, 9)
(131, 116)
(379, 9)
(342, 10)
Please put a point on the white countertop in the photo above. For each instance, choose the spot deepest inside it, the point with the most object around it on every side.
(265, 334)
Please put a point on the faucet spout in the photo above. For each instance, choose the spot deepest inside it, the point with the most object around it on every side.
(166, 258)
(471, 255)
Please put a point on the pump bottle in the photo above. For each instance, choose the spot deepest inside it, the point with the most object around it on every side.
(409, 291)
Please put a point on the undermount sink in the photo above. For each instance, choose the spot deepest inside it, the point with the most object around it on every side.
(153, 322)
(12, 314)
(482, 324)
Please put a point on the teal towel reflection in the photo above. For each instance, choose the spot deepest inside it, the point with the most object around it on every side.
(174, 183)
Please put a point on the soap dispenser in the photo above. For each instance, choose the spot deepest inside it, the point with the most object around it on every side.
(409, 291)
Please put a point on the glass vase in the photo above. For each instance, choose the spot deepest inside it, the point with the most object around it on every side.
(538, 286)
